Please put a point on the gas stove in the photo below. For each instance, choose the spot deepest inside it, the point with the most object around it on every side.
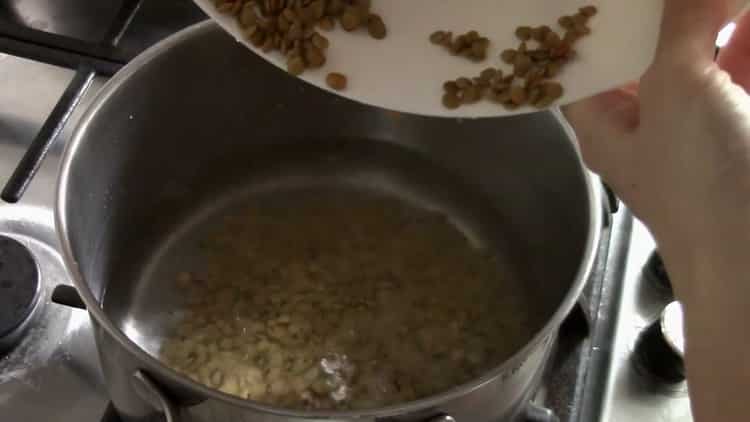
(617, 358)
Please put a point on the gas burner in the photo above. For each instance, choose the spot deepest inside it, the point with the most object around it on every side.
(19, 291)
(656, 274)
(661, 347)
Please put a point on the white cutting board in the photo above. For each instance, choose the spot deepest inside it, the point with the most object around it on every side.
(405, 72)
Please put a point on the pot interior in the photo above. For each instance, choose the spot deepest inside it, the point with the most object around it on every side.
(294, 173)
(183, 135)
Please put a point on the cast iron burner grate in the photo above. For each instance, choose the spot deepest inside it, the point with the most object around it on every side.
(88, 59)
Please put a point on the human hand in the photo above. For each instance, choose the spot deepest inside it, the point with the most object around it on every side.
(676, 146)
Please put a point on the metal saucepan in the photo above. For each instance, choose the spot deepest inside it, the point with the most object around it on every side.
(197, 116)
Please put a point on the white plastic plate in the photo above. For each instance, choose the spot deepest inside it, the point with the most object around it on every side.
(405, 72)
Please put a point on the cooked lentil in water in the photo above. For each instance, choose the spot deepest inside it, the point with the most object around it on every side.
(311, 302)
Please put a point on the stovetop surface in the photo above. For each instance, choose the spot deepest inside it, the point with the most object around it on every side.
(53, 373)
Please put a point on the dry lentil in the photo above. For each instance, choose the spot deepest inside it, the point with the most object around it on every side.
(351, 19)
(535, 75)
(581, 29)
(521, 64)
(552, 40)
(314, 57)
(523, 33)
(224, 7)
(451, 100)
(488, 74)
(268, 45)
(571, 36)
(480, 83)
(502, 96)
(560, 51)
(552, 89)
(470, 45)
(336, 81)
(553, 69)
(508, 56)
(451, 86)
(566, 22)
(248, 16)
(588, 11)
(320, 41)
(376, 27)
(447, 39)
(535, 93)
(470, 95)
(295, 65)
(257, 37)
(463, 82)
(518, 95)
(326, 23)
(540, 32)
(580, 19)
(437, 37)
(288, 26)
(544, 102)
(539, 55)
(535, 67)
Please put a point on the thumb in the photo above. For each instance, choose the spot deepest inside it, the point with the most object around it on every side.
(689, 29)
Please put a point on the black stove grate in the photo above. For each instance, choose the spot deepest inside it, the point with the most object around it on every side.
(87, 58)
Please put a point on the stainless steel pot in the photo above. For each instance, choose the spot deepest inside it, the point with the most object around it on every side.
(198, 114)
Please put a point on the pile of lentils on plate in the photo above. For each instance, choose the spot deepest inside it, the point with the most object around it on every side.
(292, 28)
(531, 81)
(470, 45)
